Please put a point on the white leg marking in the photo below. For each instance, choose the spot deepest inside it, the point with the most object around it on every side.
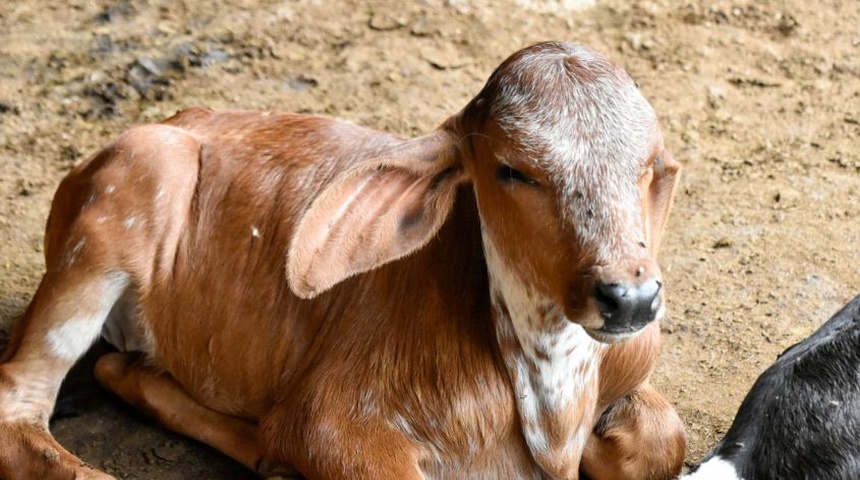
(714, 469)
(73, 337)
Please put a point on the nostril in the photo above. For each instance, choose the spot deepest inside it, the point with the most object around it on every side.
(609, 297)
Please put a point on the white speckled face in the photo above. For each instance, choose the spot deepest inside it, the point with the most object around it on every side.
(571, 144)
(589, 148)
(562, 175)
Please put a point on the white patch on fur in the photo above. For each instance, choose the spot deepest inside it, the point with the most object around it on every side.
(604, 129)
(403, 426)
(110, 189)
(567, 362)
(436, 451)
(255, 232)
(73, 252)
(129, 222)
(714, 469)
(74, 336)
(368, 405)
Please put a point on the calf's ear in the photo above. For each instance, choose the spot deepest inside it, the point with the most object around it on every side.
(659, 193)
(378, 212)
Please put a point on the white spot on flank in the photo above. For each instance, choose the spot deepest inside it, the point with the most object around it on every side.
(714, 469)
(159, 192)
(129, 222)
(255, 232)
(368, 406)
(73, 336)
(401, 424)
(110, 189)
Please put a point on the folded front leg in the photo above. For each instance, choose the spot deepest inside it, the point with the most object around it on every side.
(639, 437)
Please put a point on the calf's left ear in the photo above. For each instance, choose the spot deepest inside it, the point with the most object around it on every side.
(659, 191)
(375, 213)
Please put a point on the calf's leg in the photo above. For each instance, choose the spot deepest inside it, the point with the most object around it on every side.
(158, 395)
(61, 323)
(639, 437)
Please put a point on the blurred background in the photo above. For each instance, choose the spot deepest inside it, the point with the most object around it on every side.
(760, 100)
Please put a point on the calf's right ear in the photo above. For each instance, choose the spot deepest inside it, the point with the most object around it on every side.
(659, 196)
(376, 213)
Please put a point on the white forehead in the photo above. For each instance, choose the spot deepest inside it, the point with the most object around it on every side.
(575, 110)
(582, 120)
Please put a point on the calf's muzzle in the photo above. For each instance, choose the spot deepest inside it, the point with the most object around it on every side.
(627, 307)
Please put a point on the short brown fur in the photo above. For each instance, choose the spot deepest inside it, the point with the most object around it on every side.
(316, 297)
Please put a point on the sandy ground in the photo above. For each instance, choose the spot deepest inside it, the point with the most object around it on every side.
(760, 100)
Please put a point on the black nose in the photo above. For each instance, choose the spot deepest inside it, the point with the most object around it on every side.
(627, 307)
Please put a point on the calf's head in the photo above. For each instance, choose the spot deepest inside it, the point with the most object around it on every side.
(572, 182)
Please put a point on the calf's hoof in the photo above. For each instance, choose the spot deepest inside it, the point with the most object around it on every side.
(29, 452)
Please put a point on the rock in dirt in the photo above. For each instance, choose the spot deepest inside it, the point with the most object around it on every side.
(301, 82)
(112, 13)
(169, 452)
(149, 76)
(444, 57)
(6, 107)
(384, 22)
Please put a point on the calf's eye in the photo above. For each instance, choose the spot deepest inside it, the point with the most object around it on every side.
(509, 174)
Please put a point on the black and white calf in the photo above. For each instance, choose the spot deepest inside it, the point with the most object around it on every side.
(801, 420)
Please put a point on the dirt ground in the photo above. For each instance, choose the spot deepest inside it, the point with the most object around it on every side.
(760, 100)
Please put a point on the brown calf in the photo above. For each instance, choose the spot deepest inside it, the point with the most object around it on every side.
(314, 297)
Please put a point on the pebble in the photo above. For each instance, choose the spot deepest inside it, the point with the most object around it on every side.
(170, 452)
